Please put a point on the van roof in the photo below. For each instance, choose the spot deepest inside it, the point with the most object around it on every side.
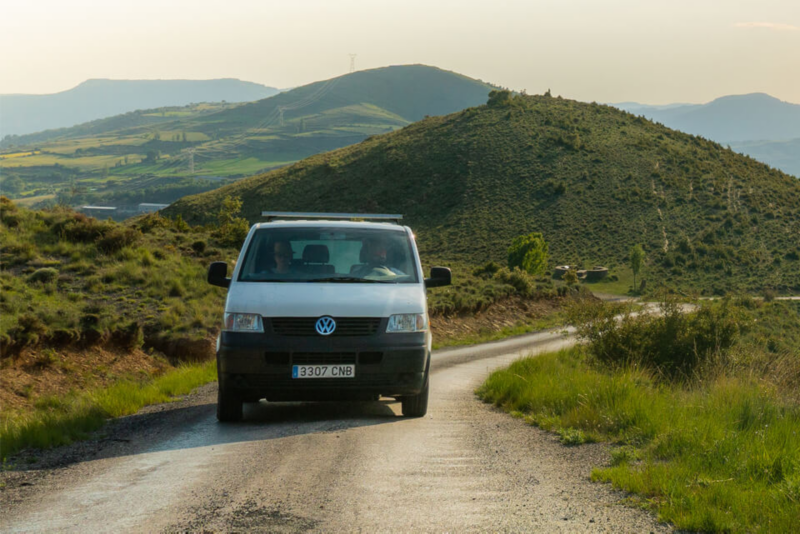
(332, 224)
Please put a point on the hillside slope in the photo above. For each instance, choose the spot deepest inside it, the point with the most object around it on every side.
(95, 99)
(594, 179)
(94, 164)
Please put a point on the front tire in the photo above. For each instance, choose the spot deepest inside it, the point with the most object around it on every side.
(416, 405)
(229, 406)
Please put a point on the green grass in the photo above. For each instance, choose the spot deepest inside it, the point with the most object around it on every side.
(67, 279)
(552, 320)
(59, 421)
(721, 457)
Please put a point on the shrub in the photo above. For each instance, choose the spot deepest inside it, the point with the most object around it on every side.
(499, 98)
(232, 229)
(529, 253)
(28, 330)
(79, 228)
(488, 270)
(129, 336)
(199, 246)
(43, 275)
(522, 283)
(118, 238)
(671, 341)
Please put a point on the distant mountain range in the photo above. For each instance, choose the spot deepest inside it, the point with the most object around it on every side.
(729, 119)
(95, 99)
(756, 124)
(783, 155)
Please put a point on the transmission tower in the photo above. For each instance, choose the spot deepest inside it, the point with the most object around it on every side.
(352, 62)
(191, 161)
(280, 116)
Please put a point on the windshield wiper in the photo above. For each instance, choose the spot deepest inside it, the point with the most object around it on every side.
(349, 279)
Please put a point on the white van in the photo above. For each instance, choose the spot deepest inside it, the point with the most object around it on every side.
(325, 306)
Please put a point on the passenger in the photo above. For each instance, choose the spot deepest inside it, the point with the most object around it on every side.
(375, 254)
(282, 253)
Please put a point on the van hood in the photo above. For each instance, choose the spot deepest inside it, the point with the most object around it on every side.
(316, 300)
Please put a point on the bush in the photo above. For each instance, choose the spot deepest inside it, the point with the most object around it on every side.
(199, 246)
(521, 281)
(488, 270)
(130, 336)
(499, 98)
(28, 330)
(79, 228)
(118, 238)
(671, 342)
(529, 253)
(43, 275)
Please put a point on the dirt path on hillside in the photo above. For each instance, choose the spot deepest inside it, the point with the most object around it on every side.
(328, 467)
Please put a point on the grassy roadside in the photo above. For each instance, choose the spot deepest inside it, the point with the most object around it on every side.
(60, 420)
(712, 448)
(551, 320)
(723, 457)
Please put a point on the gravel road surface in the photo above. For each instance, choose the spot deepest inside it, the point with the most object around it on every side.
(465, 467)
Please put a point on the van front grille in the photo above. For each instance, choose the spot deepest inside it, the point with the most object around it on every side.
(323, 358)
(345, 326)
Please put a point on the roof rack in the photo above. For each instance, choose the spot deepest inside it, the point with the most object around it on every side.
(273, 215)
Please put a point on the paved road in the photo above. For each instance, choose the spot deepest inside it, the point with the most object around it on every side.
(329, 467)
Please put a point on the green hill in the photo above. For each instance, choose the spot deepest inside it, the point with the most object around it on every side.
(150, 152)
(595, 180)
(95, 99)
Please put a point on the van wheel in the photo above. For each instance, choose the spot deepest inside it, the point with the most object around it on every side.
(416, 405)
(229, 406)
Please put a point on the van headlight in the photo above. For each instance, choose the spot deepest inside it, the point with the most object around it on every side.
(243, 322)
(407, 322)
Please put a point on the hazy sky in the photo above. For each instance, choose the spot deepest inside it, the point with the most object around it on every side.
(652, 51)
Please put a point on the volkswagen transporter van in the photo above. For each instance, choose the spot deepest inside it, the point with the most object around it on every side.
(325, 307)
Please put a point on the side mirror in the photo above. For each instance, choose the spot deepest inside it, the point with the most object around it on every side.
(440, 276)
(217, 273)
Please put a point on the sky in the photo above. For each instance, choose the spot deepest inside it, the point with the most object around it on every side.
(649, 51)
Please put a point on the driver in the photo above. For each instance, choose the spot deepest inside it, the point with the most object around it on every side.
(375, 253)
(282, 253)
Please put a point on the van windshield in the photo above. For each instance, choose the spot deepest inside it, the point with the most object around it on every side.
(329, 255)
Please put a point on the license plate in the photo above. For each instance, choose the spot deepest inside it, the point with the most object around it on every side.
(324, 371)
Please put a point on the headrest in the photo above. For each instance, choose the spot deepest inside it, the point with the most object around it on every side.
(362, 256)
(316, 254)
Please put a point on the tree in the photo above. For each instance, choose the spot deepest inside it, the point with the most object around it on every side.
(637, 256)
(232, 229)
(499, 97)
(529, 252)
(12, 184)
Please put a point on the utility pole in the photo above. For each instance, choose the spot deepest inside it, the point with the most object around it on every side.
(191, 161)
(352, 62)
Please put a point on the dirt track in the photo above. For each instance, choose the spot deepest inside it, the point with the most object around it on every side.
(327, 467)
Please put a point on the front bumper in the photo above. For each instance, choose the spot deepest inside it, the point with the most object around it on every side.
(260, 365)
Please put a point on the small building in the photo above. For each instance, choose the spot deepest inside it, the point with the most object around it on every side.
(146, 207)
(98, 211)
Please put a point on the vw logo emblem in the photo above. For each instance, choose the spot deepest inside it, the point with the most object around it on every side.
(325, 326)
